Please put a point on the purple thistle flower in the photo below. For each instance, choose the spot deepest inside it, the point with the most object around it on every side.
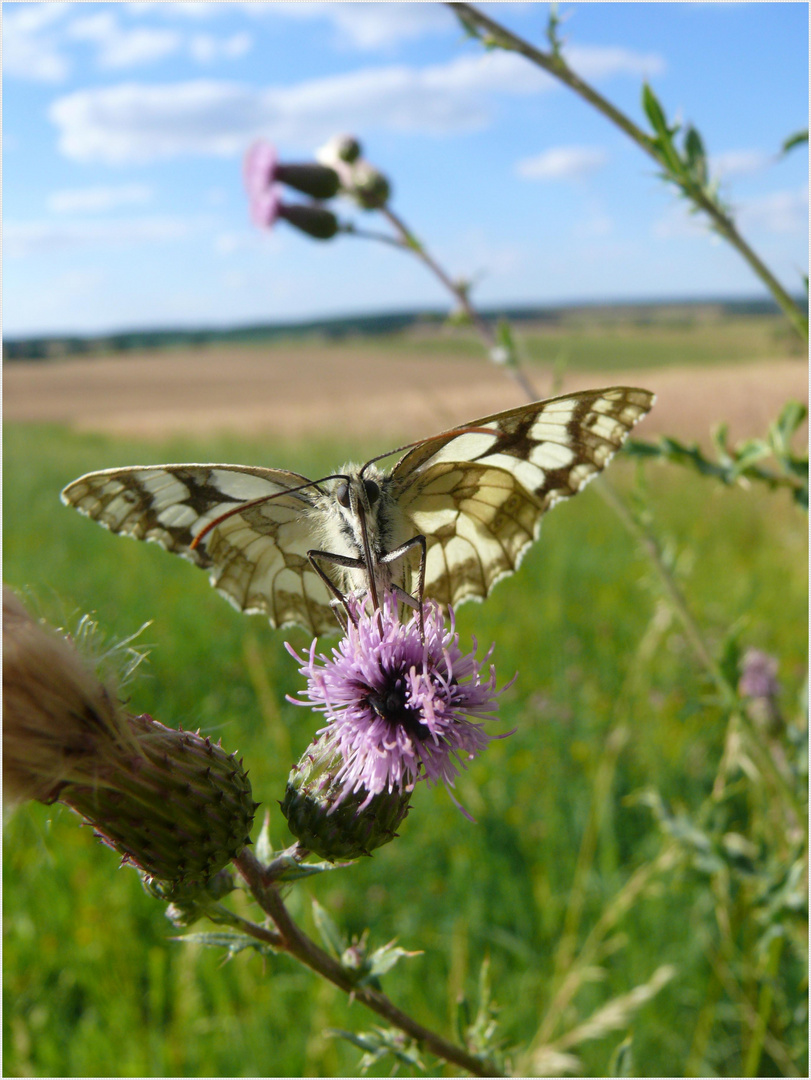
(758, 675)
(259, 175)
(400, 709)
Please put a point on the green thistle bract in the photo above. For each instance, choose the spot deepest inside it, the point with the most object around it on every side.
(331, 823)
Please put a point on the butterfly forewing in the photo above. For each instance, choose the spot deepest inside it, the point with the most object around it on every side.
(478, 492)
(257, 550)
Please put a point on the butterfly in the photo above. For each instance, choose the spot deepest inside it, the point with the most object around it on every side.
(454, 515)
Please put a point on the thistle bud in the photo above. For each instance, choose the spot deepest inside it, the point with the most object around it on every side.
(369, 187)
(318, 181)
(314, 220)
(339, 148)
(180, 810)
(328, 820)
(170, 802)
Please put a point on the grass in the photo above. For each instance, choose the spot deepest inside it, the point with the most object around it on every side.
(94, 985)
(602, 343)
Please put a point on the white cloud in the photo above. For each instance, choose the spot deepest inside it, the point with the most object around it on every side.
(370, 26)
(597, 62)
(21, 238)
(562, 163)
(138, 122)
(206, 47)
(92, 200)
(31, 49)
(119, 48)
(738, 163)
(778, 212)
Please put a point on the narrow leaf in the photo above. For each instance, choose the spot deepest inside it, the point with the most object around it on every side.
(333, 939)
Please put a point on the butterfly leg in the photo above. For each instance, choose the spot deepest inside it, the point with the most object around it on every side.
(392, 556)
(337, 560)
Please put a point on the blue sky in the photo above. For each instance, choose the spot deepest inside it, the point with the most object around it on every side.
(125, 125)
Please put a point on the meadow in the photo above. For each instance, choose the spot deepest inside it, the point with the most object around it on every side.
(608, 704)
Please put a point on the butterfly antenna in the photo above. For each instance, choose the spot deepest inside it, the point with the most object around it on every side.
(238, 509)
(466, 429)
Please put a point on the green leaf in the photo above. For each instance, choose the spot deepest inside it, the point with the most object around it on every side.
(334, 941)
(380, 1042)
(791, 416)
(232, 942)
(264, 849)
(797, 139)
(622, 1060)
(696, 156)
(384, 958)
(654, 112)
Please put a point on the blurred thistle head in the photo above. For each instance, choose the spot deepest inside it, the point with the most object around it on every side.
(263, 174)
(758, 677)
(59, 718)
(758, 683)
(170, 802)
(399, 708)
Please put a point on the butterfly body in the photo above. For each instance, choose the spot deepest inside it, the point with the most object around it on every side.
(357, 510)
(473, 496)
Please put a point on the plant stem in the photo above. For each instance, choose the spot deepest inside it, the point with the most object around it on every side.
(554, 64)
(482, 328)
(298, 944)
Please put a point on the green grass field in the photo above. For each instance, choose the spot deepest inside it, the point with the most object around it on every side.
(95, 986)
(598, 342)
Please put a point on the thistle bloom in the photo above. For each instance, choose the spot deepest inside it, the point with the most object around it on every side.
(399, 709)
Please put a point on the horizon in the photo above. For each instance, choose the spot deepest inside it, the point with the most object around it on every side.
(760, 305)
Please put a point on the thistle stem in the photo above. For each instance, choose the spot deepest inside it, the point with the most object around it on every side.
(554, 64)
(295, 942)
(482, 328)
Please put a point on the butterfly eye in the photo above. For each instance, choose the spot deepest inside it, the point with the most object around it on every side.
(342, 493)
(372, 491)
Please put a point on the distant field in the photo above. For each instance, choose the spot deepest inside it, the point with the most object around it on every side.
(606, 341)
(404, 386)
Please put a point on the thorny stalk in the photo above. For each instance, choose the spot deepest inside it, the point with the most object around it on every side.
(554, 64)
(460, 292)
(291, 939)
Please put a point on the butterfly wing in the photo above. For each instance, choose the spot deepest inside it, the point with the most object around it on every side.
(256, 553)
(478, 492)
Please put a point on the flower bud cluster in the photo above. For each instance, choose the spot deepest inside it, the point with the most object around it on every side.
(360, 180)
(340, 169)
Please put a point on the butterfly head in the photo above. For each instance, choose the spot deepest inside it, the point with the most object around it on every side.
(357, 495)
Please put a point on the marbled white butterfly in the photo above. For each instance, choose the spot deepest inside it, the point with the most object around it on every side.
(469, 501)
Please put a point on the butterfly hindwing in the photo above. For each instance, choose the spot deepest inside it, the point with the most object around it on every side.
(256, 553)
(478, 492)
